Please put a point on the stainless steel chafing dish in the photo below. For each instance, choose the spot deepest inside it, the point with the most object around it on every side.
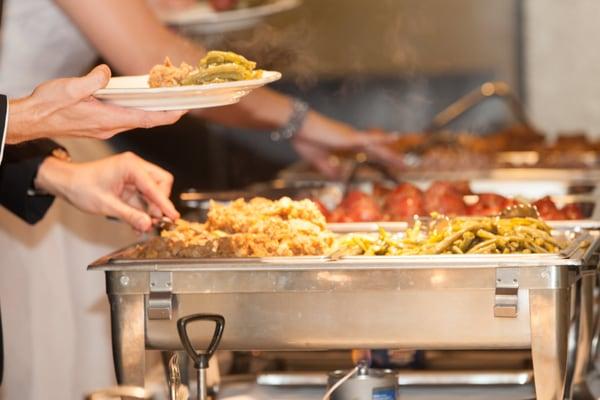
(562, 191)
(302, 173)
(314, 303)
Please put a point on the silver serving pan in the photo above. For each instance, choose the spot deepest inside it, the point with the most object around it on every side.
(331, 193)
(302, 172)
(314, 303)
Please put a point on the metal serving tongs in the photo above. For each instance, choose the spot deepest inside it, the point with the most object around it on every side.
(520, 210)
(163, 223)
(485, 91)
(351, 176)
(160, 224)
(201, 360)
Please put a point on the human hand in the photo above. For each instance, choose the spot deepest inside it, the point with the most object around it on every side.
(321, 137)
(66, 108)
(122, 186)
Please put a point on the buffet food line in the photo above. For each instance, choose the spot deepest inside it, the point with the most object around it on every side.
(282, 281)
(501, 256)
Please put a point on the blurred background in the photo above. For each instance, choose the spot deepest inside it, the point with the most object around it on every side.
(390, 64)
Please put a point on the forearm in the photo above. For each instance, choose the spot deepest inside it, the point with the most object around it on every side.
(20, 120)
(54, 177)
(137, 41)
(262, 109)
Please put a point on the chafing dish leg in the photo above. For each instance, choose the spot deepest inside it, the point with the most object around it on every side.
(550, 313)
(596, 337)
(127, 325)
(586, 330)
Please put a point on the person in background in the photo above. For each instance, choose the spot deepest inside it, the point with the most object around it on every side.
(45, 39)
(129, 36)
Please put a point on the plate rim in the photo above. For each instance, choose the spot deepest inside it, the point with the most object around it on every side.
(272, 76)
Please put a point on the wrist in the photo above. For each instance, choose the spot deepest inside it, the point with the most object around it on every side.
(295, 122)
(310, 124)
(20, 122)
(54, 177)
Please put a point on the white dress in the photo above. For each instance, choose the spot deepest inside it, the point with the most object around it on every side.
(55, 313)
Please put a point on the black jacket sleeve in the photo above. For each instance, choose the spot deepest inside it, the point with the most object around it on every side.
(17, 173)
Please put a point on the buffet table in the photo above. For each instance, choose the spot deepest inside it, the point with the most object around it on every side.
(317, 303)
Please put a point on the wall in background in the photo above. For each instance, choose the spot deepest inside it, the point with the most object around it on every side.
(562, 60)
(338, 37)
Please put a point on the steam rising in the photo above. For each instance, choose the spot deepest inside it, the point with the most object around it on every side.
(404, 43)
(288, 49)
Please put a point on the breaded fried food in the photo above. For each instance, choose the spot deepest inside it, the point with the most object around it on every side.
(168, 75)
(257, 228)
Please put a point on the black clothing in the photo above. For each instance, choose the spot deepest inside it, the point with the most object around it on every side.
(17, 172)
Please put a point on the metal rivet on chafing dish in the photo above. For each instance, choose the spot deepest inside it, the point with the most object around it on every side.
(124, 280)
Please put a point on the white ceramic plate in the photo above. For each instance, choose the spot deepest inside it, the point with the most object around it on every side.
(203, 19)
(133, 91)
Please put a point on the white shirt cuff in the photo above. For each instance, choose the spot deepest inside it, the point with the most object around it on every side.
(4, 100)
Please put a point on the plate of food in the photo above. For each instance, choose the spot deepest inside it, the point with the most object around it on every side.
(220, 78)
(217, 16)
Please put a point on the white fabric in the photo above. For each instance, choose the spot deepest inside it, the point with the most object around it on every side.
(39, 43)
(55, 313)
(3, 142)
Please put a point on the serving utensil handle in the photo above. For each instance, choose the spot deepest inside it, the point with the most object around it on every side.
(201, 359)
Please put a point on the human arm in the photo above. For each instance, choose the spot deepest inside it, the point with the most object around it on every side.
(122, 186)
(17, 173)
(66, 108)
(137, 40)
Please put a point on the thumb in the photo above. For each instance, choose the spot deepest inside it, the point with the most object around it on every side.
(85, 86)
(138, 220)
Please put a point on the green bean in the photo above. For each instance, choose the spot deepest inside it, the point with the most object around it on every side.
(225, 57)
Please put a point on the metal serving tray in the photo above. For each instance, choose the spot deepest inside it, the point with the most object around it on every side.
(314, 303)
(330, 193)
(302, 172)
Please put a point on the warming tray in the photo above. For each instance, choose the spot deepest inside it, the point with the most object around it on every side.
(302, 172)
(330, 193)
(314, 303)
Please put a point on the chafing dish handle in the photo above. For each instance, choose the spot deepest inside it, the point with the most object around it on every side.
(201, 359)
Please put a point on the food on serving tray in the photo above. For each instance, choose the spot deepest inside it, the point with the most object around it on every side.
(468, 235)
(406, 201)
(458, 151)
(356, 207)
(255, 228)
(215, 67)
